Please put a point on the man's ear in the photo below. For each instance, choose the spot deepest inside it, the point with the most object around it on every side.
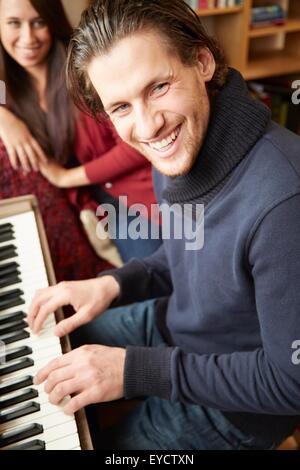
(206, 64)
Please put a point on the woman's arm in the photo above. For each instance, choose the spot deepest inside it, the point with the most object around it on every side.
(62, 177)
(105, 156)
(22, 148)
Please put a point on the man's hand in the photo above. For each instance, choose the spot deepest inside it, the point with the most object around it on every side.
(92, 373)
(22, 148)
(88, 298)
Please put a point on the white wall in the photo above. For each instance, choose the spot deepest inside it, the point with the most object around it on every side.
(74, 8)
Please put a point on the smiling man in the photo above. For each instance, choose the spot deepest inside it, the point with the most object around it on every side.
(162, 109)
(211, 353)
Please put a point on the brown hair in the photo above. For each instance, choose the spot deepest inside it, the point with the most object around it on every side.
(54, 131)
(107, 21)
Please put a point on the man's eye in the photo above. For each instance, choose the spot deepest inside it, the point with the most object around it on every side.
(160, 88)
(121, 108)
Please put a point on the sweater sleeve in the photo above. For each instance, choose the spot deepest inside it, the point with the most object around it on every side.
(265, 380)
(144, 279)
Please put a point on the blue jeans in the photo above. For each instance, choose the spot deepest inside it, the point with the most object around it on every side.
(128, 248)
(157, 424)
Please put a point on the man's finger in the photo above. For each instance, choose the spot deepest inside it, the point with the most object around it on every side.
(40, 297)
(45, 309)
(46, 301)
(77, 402)
(61, 361)
(62, 390)
(70, 324)
(58, 376)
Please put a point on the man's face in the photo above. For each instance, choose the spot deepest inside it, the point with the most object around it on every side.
(158, 105)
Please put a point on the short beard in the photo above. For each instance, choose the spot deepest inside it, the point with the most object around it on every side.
(190, 149)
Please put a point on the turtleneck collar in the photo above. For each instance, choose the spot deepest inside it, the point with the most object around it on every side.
(237, 122)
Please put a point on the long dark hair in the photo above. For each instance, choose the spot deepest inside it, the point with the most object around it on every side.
(107, 21)
(55, 130)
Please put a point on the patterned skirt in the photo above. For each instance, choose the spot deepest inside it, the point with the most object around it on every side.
(72, 256)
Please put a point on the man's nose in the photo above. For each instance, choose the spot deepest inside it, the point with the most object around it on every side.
(148, 123)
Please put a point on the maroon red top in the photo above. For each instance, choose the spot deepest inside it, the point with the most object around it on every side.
(111, 163)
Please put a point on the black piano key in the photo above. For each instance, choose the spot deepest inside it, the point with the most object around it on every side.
(11, 294)
(14, 337)
(4, 227)
(20, 433)
(10, 281)
(19, 411)
(9, 317)
(5, 305)
(36, 444)
(9, 268)
(6, 236)
(13, 366)
(18, 397)
(8, 255)
(11, 298)
(7, 252)
(7, 247)
(13, 326)
(9, 386)
(17, 352)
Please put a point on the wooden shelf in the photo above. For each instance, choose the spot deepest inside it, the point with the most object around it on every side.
(288, 27)
(271, 64)
(256, 52)
(218, 11)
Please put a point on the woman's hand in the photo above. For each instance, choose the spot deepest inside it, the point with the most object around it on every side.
(64, 177)
(88, 298)
(22, 148)
(55, 173)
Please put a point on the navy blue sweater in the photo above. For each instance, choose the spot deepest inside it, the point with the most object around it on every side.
(234, 305)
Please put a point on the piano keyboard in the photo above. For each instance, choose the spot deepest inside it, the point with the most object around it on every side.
(27, 419)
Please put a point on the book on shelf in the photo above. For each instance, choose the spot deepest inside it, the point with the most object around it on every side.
(267, 15)
(207, 4)
(276, 93)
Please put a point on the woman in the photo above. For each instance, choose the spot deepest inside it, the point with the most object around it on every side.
(33, 39)
(40, 125)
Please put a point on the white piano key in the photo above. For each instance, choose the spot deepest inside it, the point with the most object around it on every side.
(39, 363)
(50, 323)
(67, 443)
(52, 434)
(42, 397)
(47, 411)
(36, 345)
(60, 430)
(45, 353)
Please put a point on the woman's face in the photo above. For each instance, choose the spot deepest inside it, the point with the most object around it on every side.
(24, 34)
